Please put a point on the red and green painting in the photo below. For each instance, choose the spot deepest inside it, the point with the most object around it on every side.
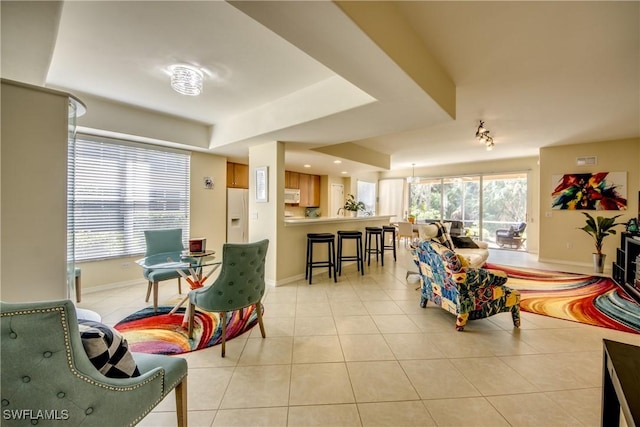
(590, 191)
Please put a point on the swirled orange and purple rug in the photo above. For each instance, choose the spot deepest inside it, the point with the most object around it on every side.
(593, 300)
(163, 333)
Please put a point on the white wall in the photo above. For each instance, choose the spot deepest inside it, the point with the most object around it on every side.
(33, 263)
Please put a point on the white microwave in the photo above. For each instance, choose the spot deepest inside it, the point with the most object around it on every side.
(291, 195)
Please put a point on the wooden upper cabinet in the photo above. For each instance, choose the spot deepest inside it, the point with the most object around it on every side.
(309, 190)
(314, 190)
(291, 179)
(237, 175)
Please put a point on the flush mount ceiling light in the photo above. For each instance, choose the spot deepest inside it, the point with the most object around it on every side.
(482, 135)
(186, 80)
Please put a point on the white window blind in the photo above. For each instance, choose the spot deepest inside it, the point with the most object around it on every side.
(121, 189)
(391, 198)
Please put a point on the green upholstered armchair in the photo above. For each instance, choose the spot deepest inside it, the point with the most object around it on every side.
(159, 242)
(47, 377)
(239, 285)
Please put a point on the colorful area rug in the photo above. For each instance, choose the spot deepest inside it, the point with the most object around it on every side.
(593, 300)
(163, 333)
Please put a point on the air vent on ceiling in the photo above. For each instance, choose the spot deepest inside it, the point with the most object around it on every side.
(586, 161)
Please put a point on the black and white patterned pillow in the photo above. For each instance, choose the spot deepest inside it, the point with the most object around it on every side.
(107, 350)
(442, 236)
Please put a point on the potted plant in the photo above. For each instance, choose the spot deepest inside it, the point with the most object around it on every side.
(599, 228)
(352, 205)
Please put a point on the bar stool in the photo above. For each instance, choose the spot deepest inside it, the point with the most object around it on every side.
(329, 239)
(376, 234)
(389, 229)
(358, 257)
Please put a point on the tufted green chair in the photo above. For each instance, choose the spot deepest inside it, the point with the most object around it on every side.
(47, 378)
(239, 285)
(160, 242)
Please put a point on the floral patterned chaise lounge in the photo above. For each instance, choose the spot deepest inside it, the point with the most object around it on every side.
(469, 293)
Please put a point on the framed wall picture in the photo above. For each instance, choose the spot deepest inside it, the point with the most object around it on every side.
(590, 191)
(262, 184)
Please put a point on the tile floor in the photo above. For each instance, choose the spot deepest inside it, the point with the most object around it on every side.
(363, 353)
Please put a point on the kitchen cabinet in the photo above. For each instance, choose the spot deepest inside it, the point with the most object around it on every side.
(309, 190)
(291, 179)
(237, 175)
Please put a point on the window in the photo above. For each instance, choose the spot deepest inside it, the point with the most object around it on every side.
(483, 203)
(121, 189)
(367, 195)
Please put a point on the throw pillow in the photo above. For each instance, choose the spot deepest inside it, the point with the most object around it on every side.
(464, 262)
(443, 236)
(107, 350)
(464, 242)
(427, 231)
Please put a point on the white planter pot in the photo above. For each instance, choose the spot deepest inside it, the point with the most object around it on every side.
(598, 262)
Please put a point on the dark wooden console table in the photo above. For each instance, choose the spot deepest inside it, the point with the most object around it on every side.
(620, 384)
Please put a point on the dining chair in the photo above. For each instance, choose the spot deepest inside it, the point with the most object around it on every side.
(158, 242)
(405, 231)
(240, 284)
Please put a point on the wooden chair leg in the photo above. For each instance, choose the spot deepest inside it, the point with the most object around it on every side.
(181, 402)
(192, 310)
(155, 296)
(259, 313)
(150, 285)
(179, 286)
(223, 319)
(78, 288)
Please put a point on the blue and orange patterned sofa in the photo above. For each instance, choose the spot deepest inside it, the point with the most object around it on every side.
(469, 293)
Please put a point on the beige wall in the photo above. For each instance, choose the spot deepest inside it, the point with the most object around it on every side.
(208, 219)
(34, 188)
(266, 219)
(560, 239)
(524, 164)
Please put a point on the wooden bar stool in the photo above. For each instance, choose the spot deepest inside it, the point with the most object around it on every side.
(376, 234)
(321, 238)
(386, 230)
(358, 257)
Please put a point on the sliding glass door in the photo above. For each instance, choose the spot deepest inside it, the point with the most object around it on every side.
(504, 203)
(484, 203)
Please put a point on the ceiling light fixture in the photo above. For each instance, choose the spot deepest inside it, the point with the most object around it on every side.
(412, 178)
(186, 79)
(482, 135)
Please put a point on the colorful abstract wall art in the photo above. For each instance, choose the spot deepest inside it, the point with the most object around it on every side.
(590, 191)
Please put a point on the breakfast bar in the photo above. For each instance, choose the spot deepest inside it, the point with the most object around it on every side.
(295, 232)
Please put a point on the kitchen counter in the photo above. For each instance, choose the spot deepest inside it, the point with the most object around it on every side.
(295, 232)
(292, 221)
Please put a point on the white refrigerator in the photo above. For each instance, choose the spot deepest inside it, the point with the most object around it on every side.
(237, 215)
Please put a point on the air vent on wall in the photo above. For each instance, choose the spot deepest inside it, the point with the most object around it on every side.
(586, 161)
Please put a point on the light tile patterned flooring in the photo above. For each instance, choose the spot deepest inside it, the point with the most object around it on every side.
(361, 352)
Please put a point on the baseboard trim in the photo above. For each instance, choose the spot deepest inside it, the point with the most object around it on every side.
(606, 272)
(110, 286)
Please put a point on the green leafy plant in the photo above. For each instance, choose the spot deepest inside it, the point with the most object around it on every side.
(600, 228)
(352, 204)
